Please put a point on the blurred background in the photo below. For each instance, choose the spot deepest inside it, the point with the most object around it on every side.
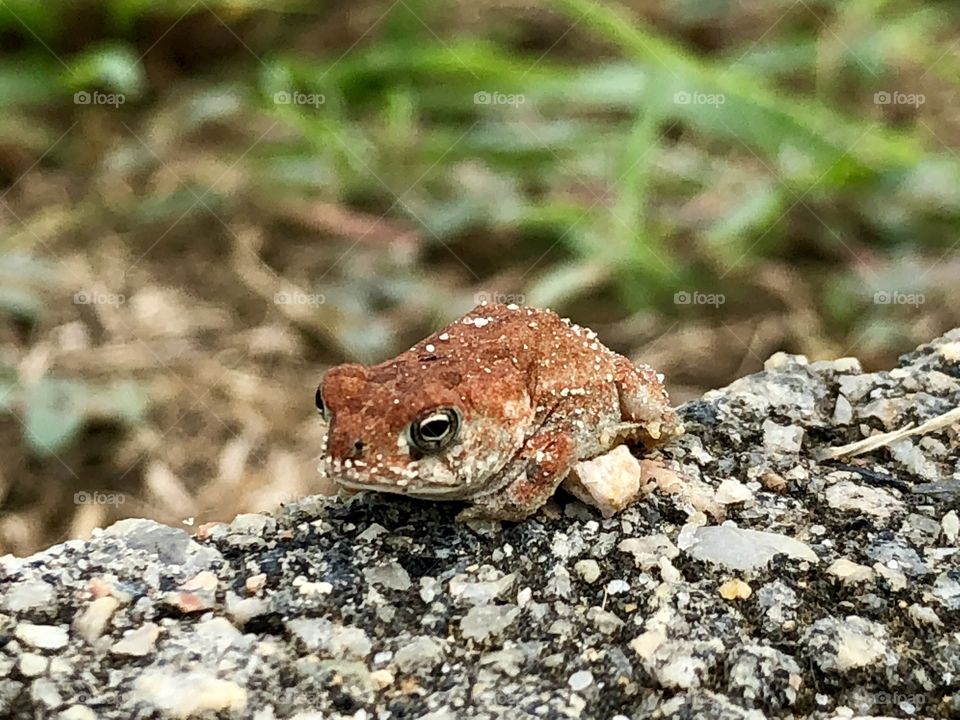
(203, 205)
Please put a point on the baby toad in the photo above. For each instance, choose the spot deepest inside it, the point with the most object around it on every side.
(494, 409)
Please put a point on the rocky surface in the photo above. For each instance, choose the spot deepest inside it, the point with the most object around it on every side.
(753, 581)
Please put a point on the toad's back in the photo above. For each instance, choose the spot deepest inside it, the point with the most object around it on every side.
(538, 343)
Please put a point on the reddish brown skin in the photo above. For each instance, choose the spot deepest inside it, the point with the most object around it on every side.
(535, 395)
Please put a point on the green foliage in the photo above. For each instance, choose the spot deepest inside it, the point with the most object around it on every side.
(41, 21)
(54, 410)
(594, 160)
(21, 278)
(28, 79)
(114, 67)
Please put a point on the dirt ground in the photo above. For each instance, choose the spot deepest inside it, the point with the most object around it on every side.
(161, 249)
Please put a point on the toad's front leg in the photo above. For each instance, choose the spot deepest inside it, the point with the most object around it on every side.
(540, 467)
(644, 405)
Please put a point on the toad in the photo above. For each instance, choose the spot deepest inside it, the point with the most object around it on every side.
(494, 409)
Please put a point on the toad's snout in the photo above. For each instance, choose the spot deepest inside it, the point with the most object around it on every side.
(350, 445)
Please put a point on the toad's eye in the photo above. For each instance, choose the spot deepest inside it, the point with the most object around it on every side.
(321, 405)
(434, 431)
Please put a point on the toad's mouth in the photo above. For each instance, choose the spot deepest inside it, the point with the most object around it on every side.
(419, 491)
(416, 486)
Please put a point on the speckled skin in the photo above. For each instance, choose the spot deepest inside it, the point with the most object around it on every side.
(536, 394)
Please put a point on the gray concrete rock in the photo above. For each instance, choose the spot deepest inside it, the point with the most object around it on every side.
(383, 607)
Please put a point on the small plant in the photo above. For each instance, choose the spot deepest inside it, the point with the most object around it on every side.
(53, 411)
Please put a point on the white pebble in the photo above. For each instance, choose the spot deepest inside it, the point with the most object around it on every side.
(615, 587)
(951, 526)
(581, 680)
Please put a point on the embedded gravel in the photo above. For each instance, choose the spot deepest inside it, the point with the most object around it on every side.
(764, 583)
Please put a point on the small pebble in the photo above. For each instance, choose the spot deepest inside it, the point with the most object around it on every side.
(589, 570)
(581, 680)
(32, 665)
(45, 637)
(139, 642)
(616, 587)
(93, 621)
(733, 492)
(735, 590)
(951, 526)
(850, 572)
